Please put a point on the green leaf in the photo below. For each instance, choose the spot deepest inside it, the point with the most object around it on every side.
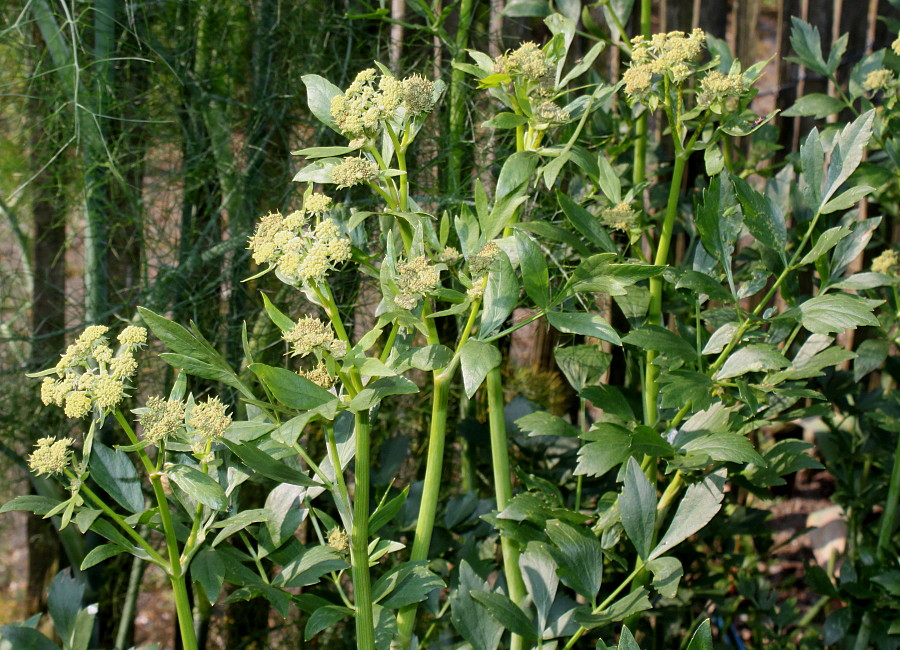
(501, 295)
(586, 223)
(585, 324)
(579, 556)
(719, 223)
(287, 510)
(64, 599)
(610, 446)
(14, 637)
(291, 389)
(510, 193)
(871, 354)
(377, 390)
(505, 121)
(755, 357)
(713, 160)
(848, 199)
(847, 153)
(609, 399)
(633, 603)
(727, 447)
(702, 639)
(762, 217)
(541, 581)
(535, 275)
(198, 486)
(527, 9)
(477, 360)
(837, 624)
(542, 423)
(699, 505)
(208, 570)
(385, 513)
(323, 618)
(101, 553)
(307, 568)
(667, 573)
(483, 632)
(668, 344)
(835, 313)
(114, 472)
(583, 365)
(414, 585)
(507, 613)
(39, 505)
(324, 152)
(263, 464)
(815, 104)
(175, 337)
(279, 318)
(849, 248)
(826, 241)
(678, 387)
(626, 641)
(637, 506)
(429, 357)
(807, 44)
(197, 368)
(319, 93)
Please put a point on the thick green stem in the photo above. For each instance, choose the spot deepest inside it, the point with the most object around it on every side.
(654, 317)
(359, 539)
(185, 615)
(458, 89)
(890, 509)
(434, 465)
(503, 488)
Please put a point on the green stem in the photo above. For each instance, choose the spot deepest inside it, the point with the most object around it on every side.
(503, 488)
(428, 509)
(359, 538)
(890, 509)
(609, 599)
(185, 615)
(651, 387)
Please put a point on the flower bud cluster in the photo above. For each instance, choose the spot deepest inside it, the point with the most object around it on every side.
(530, 62)
(300, 255)
(720, 92)
(354, 171)
(882, 79)
(372, 99)
(896, 45)
(210, 419)
(90, 374)
(51, 456)
(480, 263)
(415, 278)
(620, 217)
(318, 375)
(671, 55)
(887, 263)
(162, 419)
(312, 335)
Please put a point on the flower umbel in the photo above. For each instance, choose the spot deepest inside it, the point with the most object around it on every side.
(354, 171)
(210, 419)
(621, 217)
(310, 334)
(51, 456)
(887, 262)
(162, 419)
(415, 278)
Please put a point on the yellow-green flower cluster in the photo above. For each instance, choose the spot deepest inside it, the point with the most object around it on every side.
(51, 456)
(354, 171)
(372, 99)
(671, 54)
(316, 202)
(312, 335)
(896, 45)
(415, 278)
(338, 540)
(879, 80)
(318, 375)
(887, 262)
(210, 419)
(90, 374)
(719, 92)
(620, 217)
(550, 113)
(529, 61)
(299, 256)
(162, 419)
(480, 263)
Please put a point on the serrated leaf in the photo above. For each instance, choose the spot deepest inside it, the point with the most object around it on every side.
(507, 613)
(815, 104)
(483, 632)
(826, 241)
(580, 557)
(762, 217)
(667, 573)
(208, 569)
(755, 357)
(323, 618)
(726, 447)
(835, 313)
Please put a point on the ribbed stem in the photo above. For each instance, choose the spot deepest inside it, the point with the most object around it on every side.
(890, 509)
(434, 465)
(359, 539)
(503, 489)
(654, 317)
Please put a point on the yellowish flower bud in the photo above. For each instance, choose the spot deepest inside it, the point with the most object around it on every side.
(78, 404)
(354, 171)
(162, 419)
(210, 419)
(51, 456)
